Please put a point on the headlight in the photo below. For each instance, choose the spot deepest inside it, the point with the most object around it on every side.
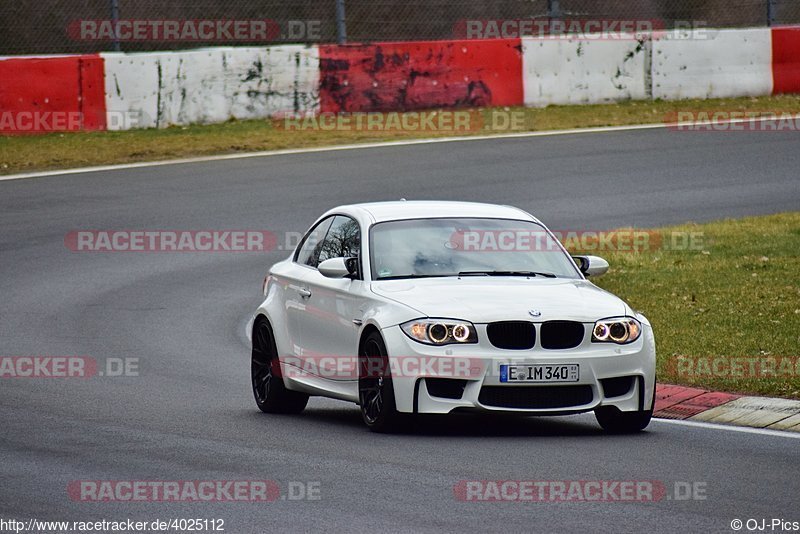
(620, 330)
(440, 331)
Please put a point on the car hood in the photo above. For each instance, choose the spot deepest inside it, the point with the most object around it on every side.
(484, 299)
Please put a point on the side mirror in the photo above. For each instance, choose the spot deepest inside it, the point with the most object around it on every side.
(338, 267)
(591, 265)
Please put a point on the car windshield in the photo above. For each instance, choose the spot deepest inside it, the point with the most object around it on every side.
(466, 247)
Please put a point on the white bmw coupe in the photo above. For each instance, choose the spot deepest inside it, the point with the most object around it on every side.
(439, 307)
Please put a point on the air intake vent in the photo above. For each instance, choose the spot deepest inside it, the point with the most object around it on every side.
(445, 388)
(535, 397)
(617, 387)
(561, 334)
(512, 335)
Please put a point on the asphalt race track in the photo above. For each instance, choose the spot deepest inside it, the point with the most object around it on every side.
(189, 415)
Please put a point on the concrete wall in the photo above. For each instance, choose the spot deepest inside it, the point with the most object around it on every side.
(573, 71)
(421, 75)
(211, 85)
(712, 64)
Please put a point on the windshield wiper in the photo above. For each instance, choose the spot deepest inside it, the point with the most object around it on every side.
(506, 273)
(408, 276)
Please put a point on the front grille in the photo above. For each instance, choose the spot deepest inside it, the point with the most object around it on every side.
(446, 388)
(512, 335)
(561, 334)
(617, 387)
(535, 397)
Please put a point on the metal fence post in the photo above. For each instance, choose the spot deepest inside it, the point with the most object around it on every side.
(341, 25)
(554, 9)
(770, 12)
(114, 21)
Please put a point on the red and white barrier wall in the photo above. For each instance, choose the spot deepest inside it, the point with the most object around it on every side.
(120, 91)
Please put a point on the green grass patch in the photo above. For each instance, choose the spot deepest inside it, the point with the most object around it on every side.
(56, 151)
(736, 295)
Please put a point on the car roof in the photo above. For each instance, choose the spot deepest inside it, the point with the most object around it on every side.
(425, 209)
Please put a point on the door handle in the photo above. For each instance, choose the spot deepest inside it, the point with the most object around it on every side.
(305, 293)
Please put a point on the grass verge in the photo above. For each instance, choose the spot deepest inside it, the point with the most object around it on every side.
(735, 298)
(58, 151)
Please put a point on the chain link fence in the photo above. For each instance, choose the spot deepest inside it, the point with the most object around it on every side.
(85, 26)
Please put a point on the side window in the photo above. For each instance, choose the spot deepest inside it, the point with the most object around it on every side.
(312, 245)
(343, 240)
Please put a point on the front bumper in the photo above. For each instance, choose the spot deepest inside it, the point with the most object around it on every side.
(476, 367)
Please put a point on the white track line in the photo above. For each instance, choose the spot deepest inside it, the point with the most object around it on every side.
(730, 428)
(383, 144)
(332, 148)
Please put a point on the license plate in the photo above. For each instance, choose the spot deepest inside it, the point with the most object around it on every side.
(567, 372)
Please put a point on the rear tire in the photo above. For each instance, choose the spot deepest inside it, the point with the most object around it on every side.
(265, 375)
(375, 388)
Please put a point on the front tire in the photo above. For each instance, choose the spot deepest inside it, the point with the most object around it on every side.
(615, 421)
(265, 375)
(375, 388)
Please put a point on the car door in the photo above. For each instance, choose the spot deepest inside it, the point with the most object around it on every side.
(296, 291)
(331, 319)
